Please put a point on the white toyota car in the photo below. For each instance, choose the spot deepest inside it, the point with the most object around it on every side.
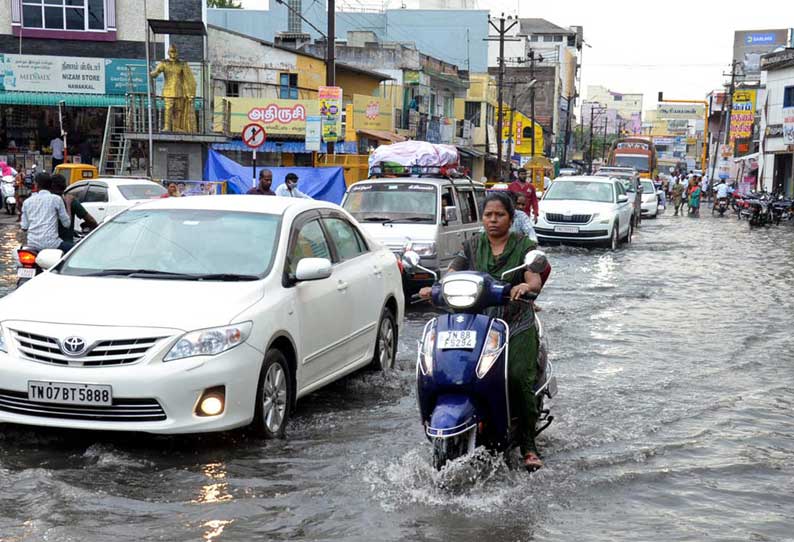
(198, 314)
(586, 210)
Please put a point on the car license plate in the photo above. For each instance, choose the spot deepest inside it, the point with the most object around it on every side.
(68, 393)
(464, 340)
(26, 272)
(566, 229)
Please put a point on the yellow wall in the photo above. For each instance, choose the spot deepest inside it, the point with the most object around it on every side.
(311, 74)
(356, 83)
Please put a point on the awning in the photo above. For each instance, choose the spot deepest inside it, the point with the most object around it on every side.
(383, 135)
(294, 147)
(468, 151)
(10, 97)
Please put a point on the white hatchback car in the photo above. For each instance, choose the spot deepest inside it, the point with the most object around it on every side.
(585, 209)
(105, 196)
(201, 314)
(650, 199)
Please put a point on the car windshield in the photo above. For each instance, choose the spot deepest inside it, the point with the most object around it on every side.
(182, 243)
(648, 187)
(636, 161)
(392, 202)
(580, 191)
(141, 191)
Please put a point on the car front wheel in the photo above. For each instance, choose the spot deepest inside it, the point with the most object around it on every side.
(614, 239)
(273, 396)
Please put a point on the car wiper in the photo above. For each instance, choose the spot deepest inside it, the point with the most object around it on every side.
(135, 272)
(383, 219)
(228, 277)
(417, 219)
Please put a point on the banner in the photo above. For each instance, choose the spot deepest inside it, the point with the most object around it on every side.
(680, 111)
(313, 133)
(331, 112)
(750, 45)
(371, 113)
(279, 117)
(742, 114)
(322, 183)
(788, 125)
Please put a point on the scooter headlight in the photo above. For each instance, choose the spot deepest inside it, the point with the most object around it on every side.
(490, 353)
(426, 348)
(461, 291)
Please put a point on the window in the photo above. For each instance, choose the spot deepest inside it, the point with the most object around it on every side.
(473, 113)
(526, 133)
(490, 115)
(534, 37)
(78, 192)
(788, 97)
(232, 89)
(479, 195)
(309, 243)
(288, 86)
(548, 39)
(347, 240)
(64, 14)
(571, 41)
(398, 118)
(468, 207)
(96, 193)
(558, 39)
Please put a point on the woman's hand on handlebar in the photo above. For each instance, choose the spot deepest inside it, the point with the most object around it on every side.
(520, 291)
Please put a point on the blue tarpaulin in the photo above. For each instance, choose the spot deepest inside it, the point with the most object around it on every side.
(294, 147)
(325, 183)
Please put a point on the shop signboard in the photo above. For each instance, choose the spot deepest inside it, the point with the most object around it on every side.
(314, 132)
(742, 114)
(125, 75)
(331, 112)
(371, 113)
(39, 73)
(788, 125)
(278, 117)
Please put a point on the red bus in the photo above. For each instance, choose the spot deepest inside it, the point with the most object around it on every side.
(636, 152)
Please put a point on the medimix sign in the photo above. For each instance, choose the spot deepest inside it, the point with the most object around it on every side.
(680, 111)
(750, 45)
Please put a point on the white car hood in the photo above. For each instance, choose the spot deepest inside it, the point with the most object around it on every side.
(394, 236)
(128, 302)
(574, 207)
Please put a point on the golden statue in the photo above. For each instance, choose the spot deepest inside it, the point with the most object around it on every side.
(179, 91)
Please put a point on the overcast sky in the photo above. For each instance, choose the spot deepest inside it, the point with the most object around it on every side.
(676, 46)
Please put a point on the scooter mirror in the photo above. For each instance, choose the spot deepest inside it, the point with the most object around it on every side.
(536, 261)
(410, 259)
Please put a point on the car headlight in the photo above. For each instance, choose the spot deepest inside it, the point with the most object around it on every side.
(426, 348)
(461, 292)
(491, 351)
(209, 342)
(424, 249)
(604, 219)
(3, 347)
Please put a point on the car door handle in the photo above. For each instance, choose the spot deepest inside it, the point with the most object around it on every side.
(100, 208)
(341, 286)
(377, 271)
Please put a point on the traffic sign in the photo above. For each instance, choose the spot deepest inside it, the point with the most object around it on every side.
(254, 135)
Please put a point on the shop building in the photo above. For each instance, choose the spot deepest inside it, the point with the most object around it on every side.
(776, 154)
(83, 55)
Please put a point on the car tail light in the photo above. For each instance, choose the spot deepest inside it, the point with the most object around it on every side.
(26, 258)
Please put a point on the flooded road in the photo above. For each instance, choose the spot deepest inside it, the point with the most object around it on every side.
(674, 420)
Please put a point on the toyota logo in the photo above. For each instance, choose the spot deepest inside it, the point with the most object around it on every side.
(73, 346)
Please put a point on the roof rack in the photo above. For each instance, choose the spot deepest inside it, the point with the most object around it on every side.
(395, 170)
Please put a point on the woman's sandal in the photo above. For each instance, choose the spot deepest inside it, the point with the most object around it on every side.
(532, 462)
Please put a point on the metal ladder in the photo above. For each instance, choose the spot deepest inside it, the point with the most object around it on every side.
(115, 147)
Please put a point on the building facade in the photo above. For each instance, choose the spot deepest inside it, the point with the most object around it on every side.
(776, 155)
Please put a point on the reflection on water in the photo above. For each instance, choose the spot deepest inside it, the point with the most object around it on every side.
(8, 258)
(217, 491)
(215, 529)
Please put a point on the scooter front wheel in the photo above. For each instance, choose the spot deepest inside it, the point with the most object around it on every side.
(451, 448)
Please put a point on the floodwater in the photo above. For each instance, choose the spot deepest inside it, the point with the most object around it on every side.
(673, 422)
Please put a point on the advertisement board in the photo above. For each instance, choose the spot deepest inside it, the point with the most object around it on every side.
(371, 113)
(330, 105)
(680, 111)
(788, 125)
(278, 117)
(742, 114)
(39, 73)
(750, 45)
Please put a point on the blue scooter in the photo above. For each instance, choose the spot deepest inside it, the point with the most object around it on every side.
(461, 370)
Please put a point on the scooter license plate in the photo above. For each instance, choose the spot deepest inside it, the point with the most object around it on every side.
(464, 340)
(26, 272)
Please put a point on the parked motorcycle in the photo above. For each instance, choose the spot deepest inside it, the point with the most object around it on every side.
(757, 209)
(782, 209)
(9, 194)
(461, 373)
(720, 206)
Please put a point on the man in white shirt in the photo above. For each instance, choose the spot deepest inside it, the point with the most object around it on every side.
(290, 188)
(57, 151)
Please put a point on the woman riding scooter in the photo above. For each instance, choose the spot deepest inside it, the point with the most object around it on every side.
(493, 252)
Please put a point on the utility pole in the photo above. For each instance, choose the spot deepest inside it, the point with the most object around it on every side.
(604, 144)
(501, 31)
(590, 152)
(730, 102)
(532, 95)
(330, 57)
(567, 130)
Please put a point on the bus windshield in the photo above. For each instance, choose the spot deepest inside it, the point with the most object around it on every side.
(640, 162)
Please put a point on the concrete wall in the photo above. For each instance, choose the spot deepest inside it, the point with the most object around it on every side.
(131, 20)
(165, 150)
(190, 48)
(439, 33)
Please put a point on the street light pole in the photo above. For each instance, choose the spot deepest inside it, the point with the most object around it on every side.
(330, 58)
(502, 31)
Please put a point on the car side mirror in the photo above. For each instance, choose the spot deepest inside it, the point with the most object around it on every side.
(450, 213)
(536, 261)
(48, 257)
(313, 269)
(622, 198)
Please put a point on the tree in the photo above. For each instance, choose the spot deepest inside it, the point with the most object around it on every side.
(230, 4)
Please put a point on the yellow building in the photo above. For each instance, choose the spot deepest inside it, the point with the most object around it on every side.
(522, 134)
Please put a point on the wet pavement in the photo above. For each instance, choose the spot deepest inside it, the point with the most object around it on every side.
(673, 422)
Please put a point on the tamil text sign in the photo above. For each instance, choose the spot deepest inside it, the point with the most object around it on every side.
(34, 73)
(278, 117)
(742, 114)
